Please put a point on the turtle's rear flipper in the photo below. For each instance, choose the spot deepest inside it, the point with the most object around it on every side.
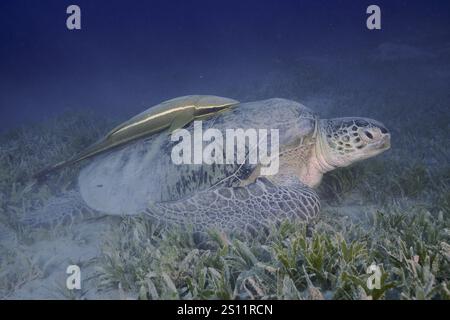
(63, 210)
(249, 208)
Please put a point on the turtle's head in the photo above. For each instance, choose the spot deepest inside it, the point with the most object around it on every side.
(343, 141)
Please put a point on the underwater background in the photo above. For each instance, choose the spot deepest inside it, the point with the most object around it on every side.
(60, 90)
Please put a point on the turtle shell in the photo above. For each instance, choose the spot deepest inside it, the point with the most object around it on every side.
(124, 180)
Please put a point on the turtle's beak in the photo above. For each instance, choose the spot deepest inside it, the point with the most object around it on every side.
(385, 142)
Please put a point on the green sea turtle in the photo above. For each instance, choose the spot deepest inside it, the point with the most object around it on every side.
(139, 176)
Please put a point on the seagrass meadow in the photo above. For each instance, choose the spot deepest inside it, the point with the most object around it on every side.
(392, 210)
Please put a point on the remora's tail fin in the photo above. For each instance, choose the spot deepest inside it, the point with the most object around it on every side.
(95, 149)
(39, 176)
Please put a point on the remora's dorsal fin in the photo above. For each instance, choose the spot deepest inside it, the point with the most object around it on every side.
(172, 114)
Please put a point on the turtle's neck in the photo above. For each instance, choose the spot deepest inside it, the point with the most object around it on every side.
(316, 165)
(307, 162)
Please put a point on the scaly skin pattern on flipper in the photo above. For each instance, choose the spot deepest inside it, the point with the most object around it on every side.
(258, 205)
(64, 210)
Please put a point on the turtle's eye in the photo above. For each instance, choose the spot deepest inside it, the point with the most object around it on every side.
(368, 134)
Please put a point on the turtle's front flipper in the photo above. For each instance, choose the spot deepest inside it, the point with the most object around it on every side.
(249, 208)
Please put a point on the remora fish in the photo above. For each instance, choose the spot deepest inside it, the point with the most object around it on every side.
(172, 114)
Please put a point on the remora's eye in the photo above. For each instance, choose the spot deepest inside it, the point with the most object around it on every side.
(368, 134)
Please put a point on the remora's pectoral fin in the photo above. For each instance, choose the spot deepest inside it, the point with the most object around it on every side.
(181, 120)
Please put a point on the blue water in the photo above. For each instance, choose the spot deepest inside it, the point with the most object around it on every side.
(130, 55)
